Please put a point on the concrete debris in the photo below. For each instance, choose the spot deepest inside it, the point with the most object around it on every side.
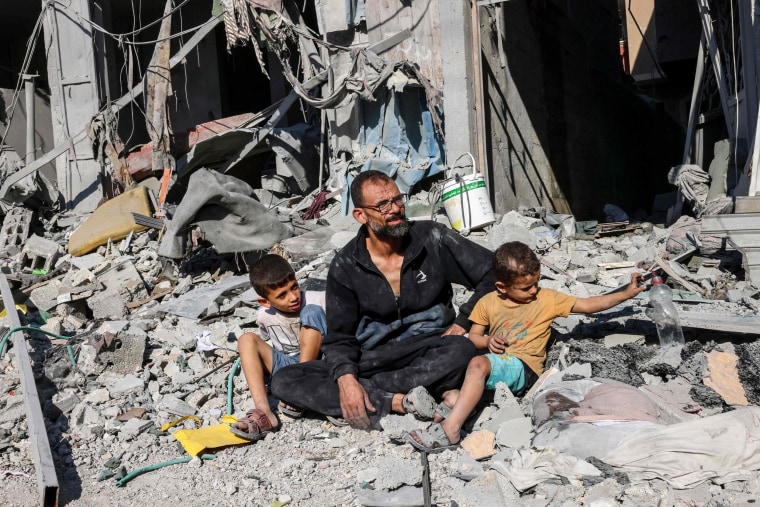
(154, 341)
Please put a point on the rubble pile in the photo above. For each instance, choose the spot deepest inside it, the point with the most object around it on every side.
(132, 348)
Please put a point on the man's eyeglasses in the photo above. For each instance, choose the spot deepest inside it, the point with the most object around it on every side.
(385, 206)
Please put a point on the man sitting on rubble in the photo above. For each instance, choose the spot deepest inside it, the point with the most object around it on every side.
(293, 321)
(391, 323)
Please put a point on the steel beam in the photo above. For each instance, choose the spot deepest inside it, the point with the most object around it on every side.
(47, 482)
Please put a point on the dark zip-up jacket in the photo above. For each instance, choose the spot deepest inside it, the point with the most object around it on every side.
(362, 311)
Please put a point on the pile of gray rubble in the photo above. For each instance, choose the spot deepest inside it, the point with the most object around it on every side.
(130, 342)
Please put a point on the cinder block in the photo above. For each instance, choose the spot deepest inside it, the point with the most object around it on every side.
(15, 231)
(40, 253)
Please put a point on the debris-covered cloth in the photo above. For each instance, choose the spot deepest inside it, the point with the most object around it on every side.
(721, 448)
(226, 210)
(693, 182)
(529, 467)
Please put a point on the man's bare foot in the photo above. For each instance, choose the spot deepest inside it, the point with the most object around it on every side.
(290, 410)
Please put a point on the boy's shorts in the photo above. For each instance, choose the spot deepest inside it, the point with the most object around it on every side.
(508, 369)
(312, 316)
(280, 360)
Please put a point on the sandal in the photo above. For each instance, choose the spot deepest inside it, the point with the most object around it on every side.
(431, 440)
(290, 411)
(337, 421)
(420, 403)
(443, 411)
(254, 426)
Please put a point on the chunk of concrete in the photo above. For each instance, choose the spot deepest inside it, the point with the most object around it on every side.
(124, 352)
(65, 401)
(503, 415)
(479, 445)
(405, 496)
(616, 339)
(134, 427)
(15, 230)
(515, 433)
(174, 405)
(396, 472)
(125, 386)
(468, 468)
(39, 253)
(723, 377)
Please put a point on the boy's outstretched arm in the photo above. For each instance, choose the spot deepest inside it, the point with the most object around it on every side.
(599, 303)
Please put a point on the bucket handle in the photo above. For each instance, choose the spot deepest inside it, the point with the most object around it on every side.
(447, 173)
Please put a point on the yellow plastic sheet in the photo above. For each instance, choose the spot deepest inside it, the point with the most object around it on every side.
(195, 441)
(181, 419)
(21, 308)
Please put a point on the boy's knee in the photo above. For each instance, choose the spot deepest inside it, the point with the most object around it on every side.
(479, 365)
(249, 340)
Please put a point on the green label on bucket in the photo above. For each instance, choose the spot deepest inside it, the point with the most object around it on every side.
(457, 190)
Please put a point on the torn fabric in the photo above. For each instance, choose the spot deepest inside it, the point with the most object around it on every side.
(693, 182)
(528, 468)
(293, 146)
(721, 448)
(227, 212)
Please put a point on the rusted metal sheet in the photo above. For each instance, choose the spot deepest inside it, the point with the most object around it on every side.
(47, 482)
(140, 163)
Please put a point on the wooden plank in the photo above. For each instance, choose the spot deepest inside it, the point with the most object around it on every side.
(684, 283)
(47, 482)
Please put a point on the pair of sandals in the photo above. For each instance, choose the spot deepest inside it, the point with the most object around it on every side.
(422, 405)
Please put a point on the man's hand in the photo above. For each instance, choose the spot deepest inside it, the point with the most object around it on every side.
(355, 402)
(455, 329)
(496, 345)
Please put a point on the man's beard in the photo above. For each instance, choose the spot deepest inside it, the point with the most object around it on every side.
(393, 231)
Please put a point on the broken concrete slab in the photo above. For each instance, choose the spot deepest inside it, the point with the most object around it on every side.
(479, 445)
(515, 433)
(123, 353)
(396, 472)
(722, 376)
(124, 386)
(404, 496)
(174, 405)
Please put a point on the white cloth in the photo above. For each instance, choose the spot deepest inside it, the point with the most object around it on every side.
(721, 448)
(530, 467)
(282, 330)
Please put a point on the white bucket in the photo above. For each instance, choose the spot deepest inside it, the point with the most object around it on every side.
(466, 202)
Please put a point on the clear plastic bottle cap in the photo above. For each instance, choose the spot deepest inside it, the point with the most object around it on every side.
(656, 280)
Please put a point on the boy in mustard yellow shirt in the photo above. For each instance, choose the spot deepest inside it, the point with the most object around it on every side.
(517, 315)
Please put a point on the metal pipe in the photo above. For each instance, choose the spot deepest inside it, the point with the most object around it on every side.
(47, 482)
(29, 90)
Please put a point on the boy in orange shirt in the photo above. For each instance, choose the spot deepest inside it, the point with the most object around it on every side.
(518, 315)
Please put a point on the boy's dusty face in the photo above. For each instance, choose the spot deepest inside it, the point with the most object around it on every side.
(286, 299)
(522, 291)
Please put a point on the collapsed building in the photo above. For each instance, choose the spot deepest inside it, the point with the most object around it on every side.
(192, 131)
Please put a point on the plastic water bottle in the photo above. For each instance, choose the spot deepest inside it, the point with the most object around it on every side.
(665, 315)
